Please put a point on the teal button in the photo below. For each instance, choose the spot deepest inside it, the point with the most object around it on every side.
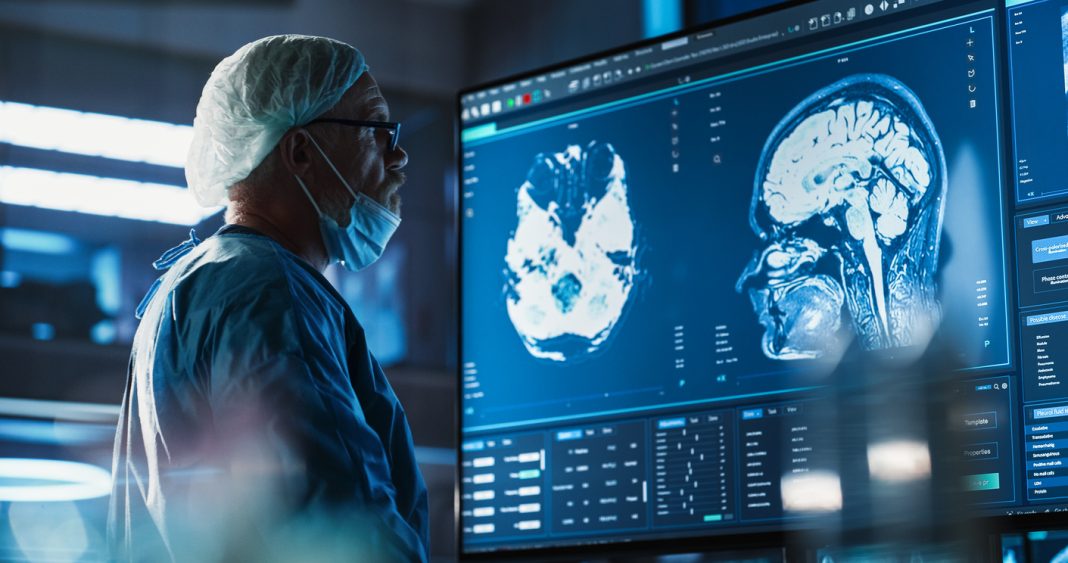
(982, 482)
(529, 474)
(480, 132)
(713, 517)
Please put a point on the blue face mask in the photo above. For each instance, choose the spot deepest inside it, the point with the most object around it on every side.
(370, 226)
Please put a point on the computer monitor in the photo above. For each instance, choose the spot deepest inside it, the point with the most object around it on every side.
(664, 246)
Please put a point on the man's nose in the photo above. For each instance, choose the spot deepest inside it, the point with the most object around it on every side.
(397, 158)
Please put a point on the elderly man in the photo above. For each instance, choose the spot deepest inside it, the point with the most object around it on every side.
(256, 424)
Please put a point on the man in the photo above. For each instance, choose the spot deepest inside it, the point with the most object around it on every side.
(256, 425)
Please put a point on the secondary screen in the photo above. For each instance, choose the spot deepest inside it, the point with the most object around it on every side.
(655, 274)
(1037, 33)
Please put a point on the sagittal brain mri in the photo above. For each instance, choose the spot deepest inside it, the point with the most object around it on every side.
(847, 204)
(571, 262)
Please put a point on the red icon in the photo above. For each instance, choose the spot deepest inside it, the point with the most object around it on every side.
(526, 98)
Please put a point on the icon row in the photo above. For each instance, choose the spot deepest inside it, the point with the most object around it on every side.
(826, 20)
(496, 106)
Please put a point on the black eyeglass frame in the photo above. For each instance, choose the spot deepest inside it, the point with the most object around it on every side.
(392, 126)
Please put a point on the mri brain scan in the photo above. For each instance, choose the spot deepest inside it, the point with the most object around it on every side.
(847, 204)
(571, 261)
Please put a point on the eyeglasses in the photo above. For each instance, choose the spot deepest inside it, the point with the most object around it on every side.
(392, 126)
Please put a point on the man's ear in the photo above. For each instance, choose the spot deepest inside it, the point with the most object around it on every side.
(295, 151)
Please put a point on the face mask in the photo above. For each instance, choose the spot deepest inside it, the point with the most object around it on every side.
(370, 226)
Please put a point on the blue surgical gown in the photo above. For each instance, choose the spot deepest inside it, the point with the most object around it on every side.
(248, 367)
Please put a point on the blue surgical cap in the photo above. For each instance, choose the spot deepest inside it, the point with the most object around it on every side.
(257, 94)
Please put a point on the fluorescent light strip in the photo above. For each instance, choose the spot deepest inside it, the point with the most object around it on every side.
(70, 480)
(94, 134)
(60, 410)
(39, 242)
(100, 196)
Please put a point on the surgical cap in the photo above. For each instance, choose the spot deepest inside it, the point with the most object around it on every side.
(257, 94)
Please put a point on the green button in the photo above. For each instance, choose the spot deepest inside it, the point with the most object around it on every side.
(982, 482)
(713, 517)
(529, 474)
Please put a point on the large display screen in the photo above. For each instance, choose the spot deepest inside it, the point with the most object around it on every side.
(664, 247)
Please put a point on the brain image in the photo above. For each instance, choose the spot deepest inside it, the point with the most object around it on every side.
(571, 261)
(847, 203)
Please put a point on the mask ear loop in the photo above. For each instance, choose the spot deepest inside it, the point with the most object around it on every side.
(307, 193)
(331, 165)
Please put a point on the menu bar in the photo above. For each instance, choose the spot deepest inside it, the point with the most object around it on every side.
(701, 46)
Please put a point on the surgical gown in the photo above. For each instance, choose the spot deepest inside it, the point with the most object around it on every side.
(256, 419)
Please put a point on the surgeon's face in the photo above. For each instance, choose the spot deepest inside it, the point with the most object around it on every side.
(362, 155)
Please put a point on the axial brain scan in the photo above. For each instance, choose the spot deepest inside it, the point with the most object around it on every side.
(848, 204)
(571, 261)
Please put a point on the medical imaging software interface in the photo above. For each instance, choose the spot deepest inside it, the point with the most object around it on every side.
(664, 249)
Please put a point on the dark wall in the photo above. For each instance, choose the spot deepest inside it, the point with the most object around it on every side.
(427, 232)
(511, 37)
(705, 11)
